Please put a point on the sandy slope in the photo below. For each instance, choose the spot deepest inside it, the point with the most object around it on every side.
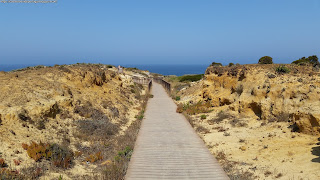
(47, 104)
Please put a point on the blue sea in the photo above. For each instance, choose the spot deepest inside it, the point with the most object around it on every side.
(177, 69)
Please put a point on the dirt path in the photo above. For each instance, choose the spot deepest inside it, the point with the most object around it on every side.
(167, 146)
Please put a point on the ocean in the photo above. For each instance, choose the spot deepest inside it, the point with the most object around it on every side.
(177, 70)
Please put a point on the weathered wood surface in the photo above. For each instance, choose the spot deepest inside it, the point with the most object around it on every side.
(168, 147)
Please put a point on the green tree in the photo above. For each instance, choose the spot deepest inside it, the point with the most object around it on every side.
(265, 60)
(313, 59)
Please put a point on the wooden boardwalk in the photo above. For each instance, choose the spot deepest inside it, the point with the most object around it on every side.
(167, 146)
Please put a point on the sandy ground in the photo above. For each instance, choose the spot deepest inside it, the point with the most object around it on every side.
(269, 151)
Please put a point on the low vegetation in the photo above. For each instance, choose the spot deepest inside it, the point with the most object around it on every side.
(203, 116)
(282, 69)
(181, 82)
(59, 156)
(216, 64)
(190, 78)
(305, 61)
(196, 108)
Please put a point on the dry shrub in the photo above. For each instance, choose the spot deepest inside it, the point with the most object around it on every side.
(38, 151)
(87, 111)
(94, 157)
(95, 129)
(10, 174)
(58, 155)
(78, 154)
(237, 123)
(222, 115)
(179, 108)
(61, 156)
(2, 163)
(118, 168)
(230, 167)
(202, 130)
(33, 172)
(221, 156)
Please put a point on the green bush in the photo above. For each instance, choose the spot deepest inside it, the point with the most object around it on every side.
(216, 64)
(265, 60)
(140, 117)
(125, 154)
(177, 98)
(231, 64)
(203, 116)
(191, 78)
(282, 69)
(304, 61)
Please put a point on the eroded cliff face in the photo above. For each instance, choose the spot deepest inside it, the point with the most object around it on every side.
(259, 124)
(257, 90)
(61, 91)
(79, 106)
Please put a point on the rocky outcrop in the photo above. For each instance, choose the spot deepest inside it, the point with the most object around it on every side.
(258, 90)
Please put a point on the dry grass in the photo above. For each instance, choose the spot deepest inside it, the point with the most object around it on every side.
(202, 130)
(125, 143)
(222, 115)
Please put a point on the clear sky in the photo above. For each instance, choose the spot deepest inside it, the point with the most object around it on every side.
(158, 31)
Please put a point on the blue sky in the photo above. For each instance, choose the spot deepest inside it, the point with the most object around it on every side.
(159, 31)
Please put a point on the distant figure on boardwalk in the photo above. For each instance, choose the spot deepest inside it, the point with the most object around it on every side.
(120, 69)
